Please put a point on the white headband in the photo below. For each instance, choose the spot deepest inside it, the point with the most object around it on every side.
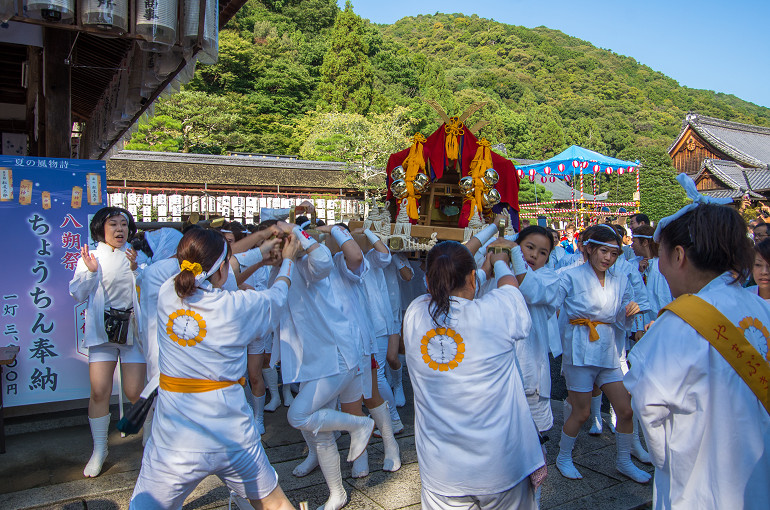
(227, 231)
(697, 199)
(594, 241)
(201, 281)
(120, 213)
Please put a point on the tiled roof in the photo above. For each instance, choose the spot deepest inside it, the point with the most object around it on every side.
(739, 179)
(747, 144)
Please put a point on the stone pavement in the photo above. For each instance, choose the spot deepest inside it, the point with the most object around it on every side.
(46, 455)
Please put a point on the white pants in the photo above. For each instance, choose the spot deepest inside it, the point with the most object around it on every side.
(322, 394)
(386, 392)
(168, 476)
(520, 497)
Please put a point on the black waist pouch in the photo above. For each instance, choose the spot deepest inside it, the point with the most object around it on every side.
(116, 325)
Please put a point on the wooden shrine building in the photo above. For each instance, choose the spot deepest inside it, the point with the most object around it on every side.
(725, 159)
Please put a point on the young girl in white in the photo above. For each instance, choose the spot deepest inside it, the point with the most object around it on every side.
(203, 424)
(707, 430)
(399, 270)
(595, 307)
(658, 291)
(461, 356)
(105, 277)
(761, 270)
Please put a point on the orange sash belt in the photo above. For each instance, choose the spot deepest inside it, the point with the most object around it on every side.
(593, 335)
(182, 385)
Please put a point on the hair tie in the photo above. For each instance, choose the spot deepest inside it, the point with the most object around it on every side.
(697, 199)
(193, 267)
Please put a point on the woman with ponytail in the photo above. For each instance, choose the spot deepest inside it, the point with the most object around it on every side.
(203, 424)
(696, 375)
(461, 356)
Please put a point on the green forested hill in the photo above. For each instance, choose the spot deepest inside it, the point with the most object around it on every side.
(303, 77)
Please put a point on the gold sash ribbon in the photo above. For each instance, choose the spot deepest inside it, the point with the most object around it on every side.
(728, 340)
(183, 385)
(414, 164)
(481, 162)
(593, 335)
(453, 130)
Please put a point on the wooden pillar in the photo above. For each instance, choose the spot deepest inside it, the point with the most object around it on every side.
(58, 94)
(35, 105)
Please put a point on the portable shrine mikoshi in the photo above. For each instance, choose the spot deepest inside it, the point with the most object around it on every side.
(445, 187)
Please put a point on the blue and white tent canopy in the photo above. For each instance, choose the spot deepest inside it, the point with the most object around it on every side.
(576, 160)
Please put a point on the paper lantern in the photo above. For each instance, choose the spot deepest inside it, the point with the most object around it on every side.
(575, 163)
(543, 179)
(596, 169)
(532, 178)
(584, 164)
(608, 170)
(51, 10)
(520, 172)
(210, 27)
(106, 15)
(631, 169)
(547, 170)
(553, 179)
(156, 23)
(531, 172)
(562, 167)
(620, 171)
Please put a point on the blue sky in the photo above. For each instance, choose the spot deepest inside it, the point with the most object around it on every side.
(722, 46)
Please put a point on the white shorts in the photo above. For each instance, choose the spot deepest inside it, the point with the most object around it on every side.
(582, 379)
(111, 352)
(167, 477)
(256, 346)
(520, 497)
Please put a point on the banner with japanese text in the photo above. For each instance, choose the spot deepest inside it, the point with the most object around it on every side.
(45, 206)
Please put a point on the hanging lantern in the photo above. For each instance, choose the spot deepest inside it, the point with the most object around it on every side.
(544, 179)
(584, 164)
(51, 10)
(532, 178)
(520, 172)
(156, 23)
(620, 171)
(575, 163)
(562, 167)
(608, 170)
(531, 172)
(547, 170)
(106, 15)
(210, 25)
(553, 179)
(397, 173)
(631, 169)
(567, 178)
(596, 168)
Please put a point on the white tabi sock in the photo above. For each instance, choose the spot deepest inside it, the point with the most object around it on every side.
(398, 388)
(361, 466)
(270, 376)
(359, 427)
(99, 431)
(288, 398)
(637, 450)
(596, 416)
(613, 419)
(329, 460)
(259, 413)
(308, 465)
(564, 459)
(381, 416)
(624, 463)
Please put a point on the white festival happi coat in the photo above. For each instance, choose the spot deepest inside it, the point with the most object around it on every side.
(112, 285)
(707, 433)
(150, 282)
(377, 294)
(219, 324)
(657, 289)
(582, 296)
(393, 281)
(473, 429)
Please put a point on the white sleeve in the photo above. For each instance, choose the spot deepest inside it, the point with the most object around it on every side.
(510, 309)
(262, 308)
(316, 265)
(378, 259)
(249, 257)
(84, 282)
(540, 287)
(353, 276)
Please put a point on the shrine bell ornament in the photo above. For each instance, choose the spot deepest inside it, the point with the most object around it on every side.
(398, 188)
(490, 199)
(490, 178)
(398, 173)
(466, 185)
(421, 182)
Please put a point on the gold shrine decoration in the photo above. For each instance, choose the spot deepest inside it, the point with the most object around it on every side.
(478, 186)
(410, 179)
(453, 130)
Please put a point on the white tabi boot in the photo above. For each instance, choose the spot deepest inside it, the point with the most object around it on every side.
(564, 459)
(359, 427)
(99, 430)
(624, 463)
(361, 466)
(596, 416)
(637, 450)
(381, 415)
(270, 376)
(259, 413)
(288, 398)
(329, 460)
(308, 465)
(398, 388)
